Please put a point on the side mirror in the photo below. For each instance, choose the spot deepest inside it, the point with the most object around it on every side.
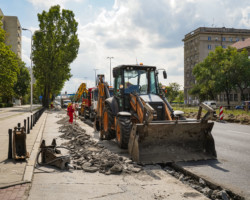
(164, 74)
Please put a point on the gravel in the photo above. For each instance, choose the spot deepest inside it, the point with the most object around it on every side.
(90, 156)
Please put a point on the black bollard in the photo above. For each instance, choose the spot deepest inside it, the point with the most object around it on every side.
(24, 122)
(31, 122)
(10, 144)
(28, 125)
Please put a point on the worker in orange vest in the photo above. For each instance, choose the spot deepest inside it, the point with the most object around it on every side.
(70, 111)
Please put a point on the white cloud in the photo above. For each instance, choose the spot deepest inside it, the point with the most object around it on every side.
(26, 48)
(146, 30)
(45, 4)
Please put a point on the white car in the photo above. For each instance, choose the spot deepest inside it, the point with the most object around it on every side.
(211, 104)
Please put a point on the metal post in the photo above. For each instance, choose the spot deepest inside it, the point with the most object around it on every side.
(24, 122)
(31, 122)
(28, 125)
(95, 76)
(10, 144)
(110, 68)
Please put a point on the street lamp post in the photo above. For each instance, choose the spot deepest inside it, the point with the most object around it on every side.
(95, 75)
(110, 67)
(31, 72)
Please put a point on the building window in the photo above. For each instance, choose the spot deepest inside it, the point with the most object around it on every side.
(209, 46)
(223, 39)
(235, 97)
(216, 39)
(237, 39)
(230, 39)
(209, 38)
(223, 46)
(243, 39)
(231, 97)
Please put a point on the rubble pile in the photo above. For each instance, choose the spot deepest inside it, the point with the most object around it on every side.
(89, 155)
(201, 186)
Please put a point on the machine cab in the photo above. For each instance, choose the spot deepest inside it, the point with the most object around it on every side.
(128, 79)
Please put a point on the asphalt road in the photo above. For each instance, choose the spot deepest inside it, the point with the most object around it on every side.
(10, 112)
(231, 170)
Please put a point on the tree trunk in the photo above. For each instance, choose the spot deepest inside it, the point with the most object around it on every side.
(228, 100)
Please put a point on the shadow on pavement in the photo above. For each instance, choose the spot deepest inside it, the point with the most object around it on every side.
(6, 161)
(212, 163)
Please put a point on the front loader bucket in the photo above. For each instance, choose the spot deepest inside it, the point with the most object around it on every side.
(172, 141)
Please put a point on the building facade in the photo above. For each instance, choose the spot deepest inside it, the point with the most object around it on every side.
(198, 44)
(13, 30)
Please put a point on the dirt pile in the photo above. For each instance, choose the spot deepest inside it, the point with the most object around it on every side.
(89, 155)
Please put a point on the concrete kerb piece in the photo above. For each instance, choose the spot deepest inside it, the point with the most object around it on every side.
(29, 169)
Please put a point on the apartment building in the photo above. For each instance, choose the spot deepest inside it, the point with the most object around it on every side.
(198, 44)
(13, 30)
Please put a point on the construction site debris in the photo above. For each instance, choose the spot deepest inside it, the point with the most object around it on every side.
(200, 185)
(89, 155)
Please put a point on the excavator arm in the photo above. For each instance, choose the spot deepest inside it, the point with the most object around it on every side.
(144, 112)
(82, 88)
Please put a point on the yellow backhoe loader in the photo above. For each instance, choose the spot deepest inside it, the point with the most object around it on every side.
(142, 120)
(80, 91)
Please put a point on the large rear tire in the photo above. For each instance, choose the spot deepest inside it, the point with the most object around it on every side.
(85, 114)
(123, 129)
(108, 122)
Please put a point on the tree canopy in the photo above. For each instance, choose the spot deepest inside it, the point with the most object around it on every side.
(55, 46)
(8, 67)
(173, 91)
(221, 71)
(23, 80)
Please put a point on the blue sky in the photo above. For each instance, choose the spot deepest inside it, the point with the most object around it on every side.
(144, 30)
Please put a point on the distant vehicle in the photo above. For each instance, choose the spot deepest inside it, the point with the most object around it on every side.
(65, 103)
(211, 104)
(243, 105)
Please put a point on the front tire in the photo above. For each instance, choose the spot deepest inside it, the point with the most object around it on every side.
(123, 129)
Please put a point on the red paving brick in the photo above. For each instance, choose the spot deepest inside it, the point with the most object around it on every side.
(16, 192)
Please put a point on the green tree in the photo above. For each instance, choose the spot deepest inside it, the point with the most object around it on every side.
(54, 48)
(218, 71)
(180, 97)
(241, 71)
(8, 68)
(172, 91)
(23, 80)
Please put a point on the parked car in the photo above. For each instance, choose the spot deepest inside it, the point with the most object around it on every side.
(211, 104)
(243, 105)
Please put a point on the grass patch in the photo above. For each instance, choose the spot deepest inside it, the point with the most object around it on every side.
(195, 109)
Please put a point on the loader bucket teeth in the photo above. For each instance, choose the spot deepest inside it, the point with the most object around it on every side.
(172, 141)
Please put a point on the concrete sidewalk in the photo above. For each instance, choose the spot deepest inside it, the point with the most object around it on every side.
(19, 172)
(152, 183)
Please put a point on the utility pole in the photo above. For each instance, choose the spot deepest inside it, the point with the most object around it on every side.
(110, 68)
(31, 69)
(95, 75)
(31, 73)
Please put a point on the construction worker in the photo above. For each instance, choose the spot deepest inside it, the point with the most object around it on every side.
(70, 111)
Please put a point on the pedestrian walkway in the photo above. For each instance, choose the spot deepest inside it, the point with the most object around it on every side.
(16, 175)
(53, 184)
